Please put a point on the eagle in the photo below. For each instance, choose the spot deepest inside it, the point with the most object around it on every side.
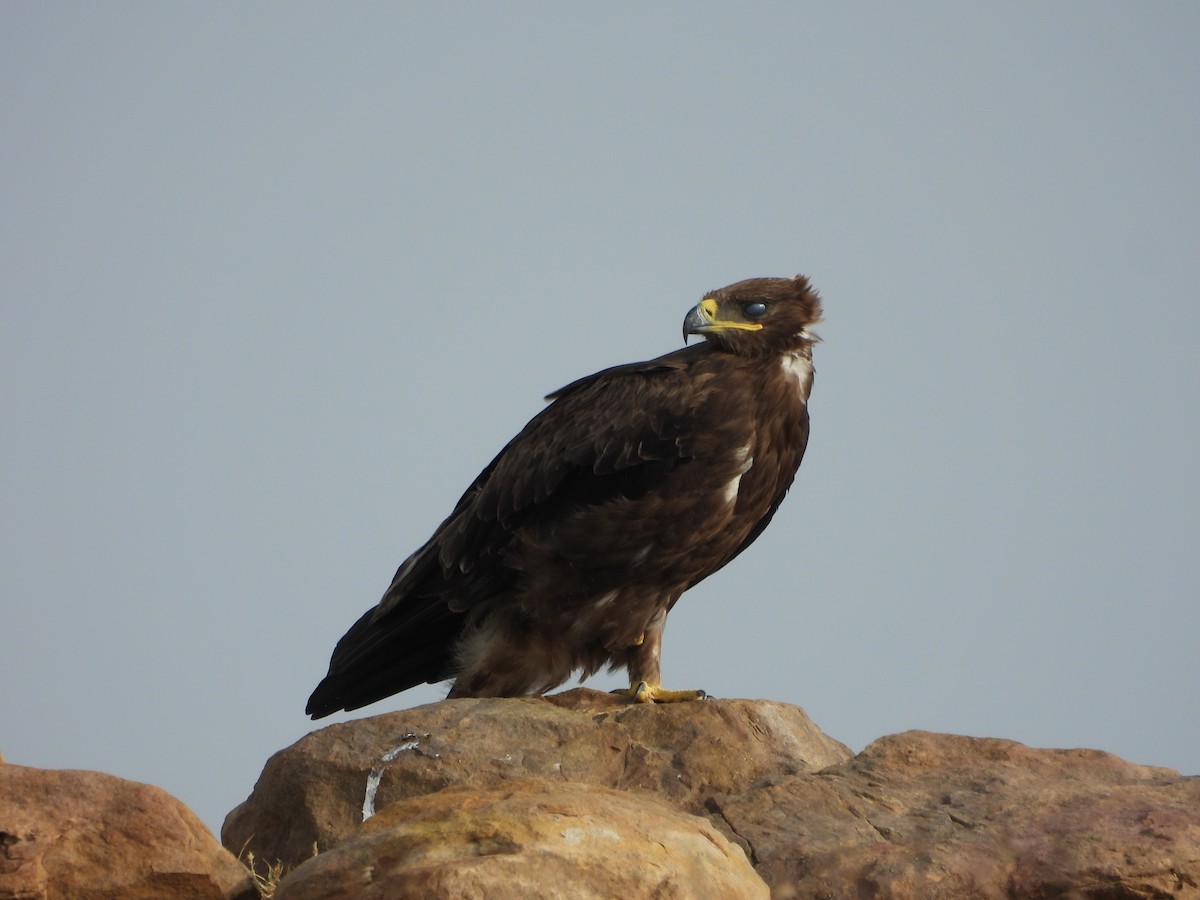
(632, 485)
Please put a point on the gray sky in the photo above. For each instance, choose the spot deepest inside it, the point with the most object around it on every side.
(279, 279)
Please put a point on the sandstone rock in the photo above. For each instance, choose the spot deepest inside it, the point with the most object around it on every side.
(529, 840)
(921, 815)
(915, 815)
(67, 835)
(317, 790)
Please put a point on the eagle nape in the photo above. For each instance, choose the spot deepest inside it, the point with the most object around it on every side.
(567, 552)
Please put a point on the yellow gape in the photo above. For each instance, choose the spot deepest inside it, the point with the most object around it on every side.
(709, 306)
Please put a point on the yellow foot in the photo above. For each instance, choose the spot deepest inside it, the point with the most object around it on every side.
(644, 692)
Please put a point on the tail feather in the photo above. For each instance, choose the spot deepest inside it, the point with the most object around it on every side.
(384, 656)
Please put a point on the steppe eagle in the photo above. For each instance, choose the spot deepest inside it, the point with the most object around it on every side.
(634, 484)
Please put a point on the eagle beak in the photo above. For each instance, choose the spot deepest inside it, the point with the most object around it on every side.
(699, 318)
(702, 319)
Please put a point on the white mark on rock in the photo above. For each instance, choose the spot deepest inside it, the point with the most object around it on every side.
(396, 751)
(575, 835)
(376, 774)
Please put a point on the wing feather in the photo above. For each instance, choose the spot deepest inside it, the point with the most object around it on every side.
(617, 433)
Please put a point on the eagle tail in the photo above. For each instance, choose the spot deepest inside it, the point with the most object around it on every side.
(381, 656)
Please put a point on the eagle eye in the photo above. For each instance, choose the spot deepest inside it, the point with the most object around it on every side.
(756, 309)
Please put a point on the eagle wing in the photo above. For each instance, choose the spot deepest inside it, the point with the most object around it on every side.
(615, 434)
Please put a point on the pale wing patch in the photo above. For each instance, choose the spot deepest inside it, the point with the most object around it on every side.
(799, 367)
(606, 599)
(742, 454)
(731, 488)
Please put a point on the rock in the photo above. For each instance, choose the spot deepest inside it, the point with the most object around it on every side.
(67, 835)
(529, 840)
(921, 815)
(317, 790)
(915, 815)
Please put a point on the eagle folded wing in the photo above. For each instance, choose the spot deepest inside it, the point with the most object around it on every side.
(592, 445)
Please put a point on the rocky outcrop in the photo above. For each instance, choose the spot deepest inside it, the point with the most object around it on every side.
(68, 835)
(469, 797)
(319, 790)
(941, 816)
(530, 839)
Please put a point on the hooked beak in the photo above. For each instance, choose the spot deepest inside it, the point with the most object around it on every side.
(697, 321)
(702, 319)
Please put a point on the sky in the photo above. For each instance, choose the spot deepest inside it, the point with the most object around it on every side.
(278, 279)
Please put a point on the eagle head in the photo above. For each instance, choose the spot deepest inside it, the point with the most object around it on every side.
(757, 316)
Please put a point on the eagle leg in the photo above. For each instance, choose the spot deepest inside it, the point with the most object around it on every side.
(645, 670)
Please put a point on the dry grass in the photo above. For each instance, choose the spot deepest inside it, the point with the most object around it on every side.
(266, 875)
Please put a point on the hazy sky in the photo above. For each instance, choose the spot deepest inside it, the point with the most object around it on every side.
(280, 278)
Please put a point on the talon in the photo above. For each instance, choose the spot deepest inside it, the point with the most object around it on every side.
(645, 692)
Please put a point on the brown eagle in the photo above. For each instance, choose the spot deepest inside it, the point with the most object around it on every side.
(570, 548)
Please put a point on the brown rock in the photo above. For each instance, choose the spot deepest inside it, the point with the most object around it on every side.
(915, 815)
(315, 791)
(67, 835)
(921, 815)
(529, 840)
